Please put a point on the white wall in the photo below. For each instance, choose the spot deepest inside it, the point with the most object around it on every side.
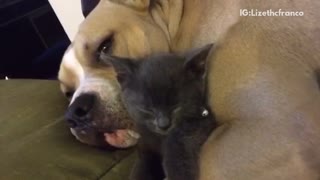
(69, 14)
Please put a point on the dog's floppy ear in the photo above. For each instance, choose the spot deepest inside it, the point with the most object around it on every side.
(195, 60)
(135, 4)
(124, 67)
(88, 5)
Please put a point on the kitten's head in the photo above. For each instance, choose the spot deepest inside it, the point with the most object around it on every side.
(157, 91)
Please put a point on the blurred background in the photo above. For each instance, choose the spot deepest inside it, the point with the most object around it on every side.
(32, 40)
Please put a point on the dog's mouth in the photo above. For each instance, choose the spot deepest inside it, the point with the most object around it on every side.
(119, 138)
(122, 138)
(96, 122)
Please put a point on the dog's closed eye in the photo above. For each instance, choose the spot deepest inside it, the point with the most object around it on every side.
(69, 94)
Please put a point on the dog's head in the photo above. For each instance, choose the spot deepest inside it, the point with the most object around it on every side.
(123, 28)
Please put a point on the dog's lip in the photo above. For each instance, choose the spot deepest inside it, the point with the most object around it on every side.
(112, 136)
(119, 138)
(108, 130)
(132, 133)
(103, 130)
(122, 138)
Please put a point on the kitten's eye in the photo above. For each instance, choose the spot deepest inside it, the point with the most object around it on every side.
(146, 111)
(176, 108)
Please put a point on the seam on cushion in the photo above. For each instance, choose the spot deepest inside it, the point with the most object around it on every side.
(115, 164)
(31, 136)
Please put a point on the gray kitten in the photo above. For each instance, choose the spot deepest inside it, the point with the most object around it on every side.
(166, 97)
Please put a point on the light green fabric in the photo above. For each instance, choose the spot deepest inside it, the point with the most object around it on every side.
(35, 142)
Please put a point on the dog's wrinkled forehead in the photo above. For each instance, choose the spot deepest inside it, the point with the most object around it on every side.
(115, 27)
(122, 28)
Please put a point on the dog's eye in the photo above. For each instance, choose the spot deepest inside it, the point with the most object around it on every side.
(105, 47)
(69, 94)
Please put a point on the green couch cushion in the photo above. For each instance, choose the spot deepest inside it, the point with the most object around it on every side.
(35, 142)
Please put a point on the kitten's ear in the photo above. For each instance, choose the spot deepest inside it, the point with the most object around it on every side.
(124, 67)
(196, 60)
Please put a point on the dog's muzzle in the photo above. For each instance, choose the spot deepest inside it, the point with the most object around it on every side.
(88, 123)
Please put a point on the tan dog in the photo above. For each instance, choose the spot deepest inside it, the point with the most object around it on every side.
(264, 79)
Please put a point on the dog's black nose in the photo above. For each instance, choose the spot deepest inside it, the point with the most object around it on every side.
(80, 111)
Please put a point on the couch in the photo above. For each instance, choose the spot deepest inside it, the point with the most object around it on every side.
(35, 142)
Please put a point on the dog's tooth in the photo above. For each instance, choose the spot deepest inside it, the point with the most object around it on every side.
(133, 134)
